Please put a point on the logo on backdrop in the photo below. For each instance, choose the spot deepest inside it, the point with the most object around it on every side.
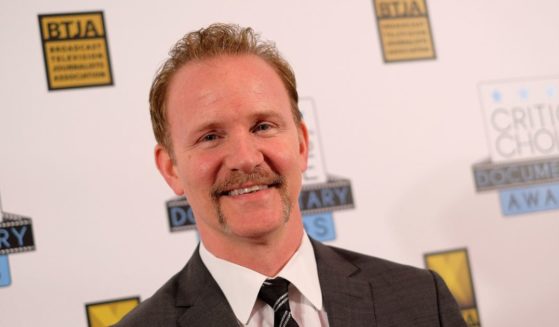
(5, 275)
(454, 268)
(321, 194)
(522, 122)
(404, 30)
(108, 313)
(16, 236)
(75, 50)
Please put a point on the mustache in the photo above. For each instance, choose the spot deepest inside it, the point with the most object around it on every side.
(237, 178)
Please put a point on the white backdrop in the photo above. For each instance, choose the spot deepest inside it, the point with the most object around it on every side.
(80, 162)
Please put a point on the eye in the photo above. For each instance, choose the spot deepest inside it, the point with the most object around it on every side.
(208, 137)
(262, 127)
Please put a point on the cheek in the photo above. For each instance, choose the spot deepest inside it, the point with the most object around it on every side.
(288, 160)
(200, 171)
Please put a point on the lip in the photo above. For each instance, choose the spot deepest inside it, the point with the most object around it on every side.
(244, 187)
(247, 190)
(249, 198)
(267, 181)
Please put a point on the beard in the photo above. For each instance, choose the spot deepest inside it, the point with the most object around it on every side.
(260, 176)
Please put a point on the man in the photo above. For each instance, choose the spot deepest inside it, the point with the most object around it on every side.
(232, 140)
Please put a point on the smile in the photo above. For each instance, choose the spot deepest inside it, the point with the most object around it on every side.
(246, 190)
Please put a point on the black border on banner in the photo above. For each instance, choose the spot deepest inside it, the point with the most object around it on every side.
(8, 219)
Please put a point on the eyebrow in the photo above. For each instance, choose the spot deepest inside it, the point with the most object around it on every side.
(258, 115)
(267, 114)
(207, 126)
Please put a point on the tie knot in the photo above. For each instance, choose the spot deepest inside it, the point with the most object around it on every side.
(274, 292)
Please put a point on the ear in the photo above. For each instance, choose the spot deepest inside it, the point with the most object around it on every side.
(168, 169)
(303, 145)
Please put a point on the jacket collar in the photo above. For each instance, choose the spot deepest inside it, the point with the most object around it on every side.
(348, 300)
(199, 293)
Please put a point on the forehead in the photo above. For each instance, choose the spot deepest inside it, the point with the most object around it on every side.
(225, 82)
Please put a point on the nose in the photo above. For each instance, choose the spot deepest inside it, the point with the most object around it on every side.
(244, 153)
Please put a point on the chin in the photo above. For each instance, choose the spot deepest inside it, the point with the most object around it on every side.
(256, 227)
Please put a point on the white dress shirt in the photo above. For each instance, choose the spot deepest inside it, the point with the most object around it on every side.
(241, 286)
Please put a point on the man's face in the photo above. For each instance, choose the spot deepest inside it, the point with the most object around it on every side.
(238, 152)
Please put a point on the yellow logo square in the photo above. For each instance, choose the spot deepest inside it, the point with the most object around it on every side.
(454, 268)
(105, 314)
(75, 50)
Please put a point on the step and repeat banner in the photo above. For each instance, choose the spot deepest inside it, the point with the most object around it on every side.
(434, 142)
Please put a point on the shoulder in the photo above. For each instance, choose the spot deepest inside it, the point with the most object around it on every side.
(158, 310)
(369, 267)
(400, 292)
(388, 276)
(169, 303)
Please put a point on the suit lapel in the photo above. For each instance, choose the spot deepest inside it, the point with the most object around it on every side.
(348, 301)
(203, 300)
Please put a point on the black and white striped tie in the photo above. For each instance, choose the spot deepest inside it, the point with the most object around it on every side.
(274, 293)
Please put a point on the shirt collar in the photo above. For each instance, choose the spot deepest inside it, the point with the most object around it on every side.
(241, 285)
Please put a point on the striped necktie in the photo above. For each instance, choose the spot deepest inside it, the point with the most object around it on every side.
(274, 293)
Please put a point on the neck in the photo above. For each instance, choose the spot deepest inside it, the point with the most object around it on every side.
(265, 254)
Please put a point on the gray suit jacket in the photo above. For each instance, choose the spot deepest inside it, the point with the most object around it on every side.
(358, 290)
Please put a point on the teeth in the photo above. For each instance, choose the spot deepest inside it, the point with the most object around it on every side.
(246, 190)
